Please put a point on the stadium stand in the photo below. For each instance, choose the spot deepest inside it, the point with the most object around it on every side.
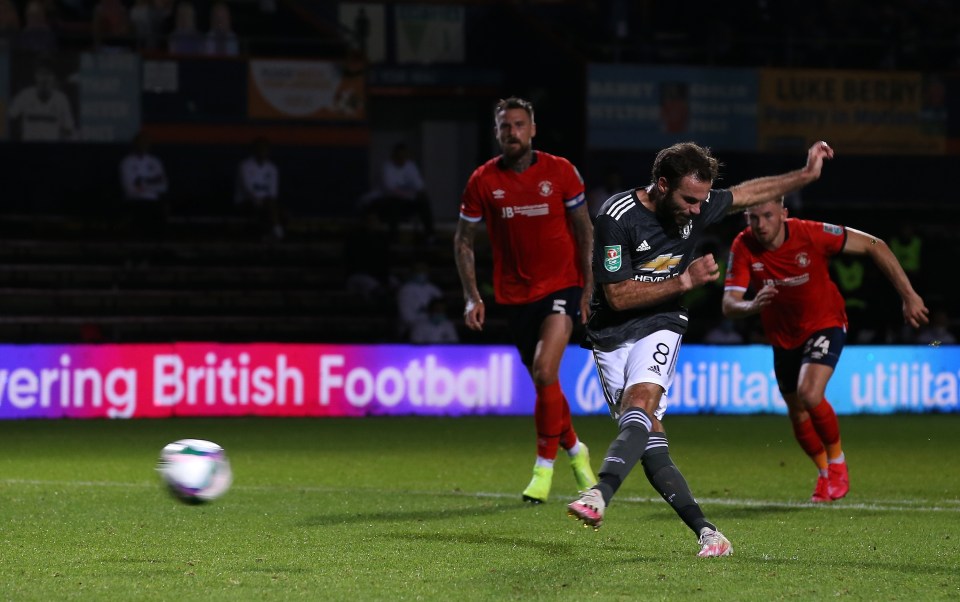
(69, 272)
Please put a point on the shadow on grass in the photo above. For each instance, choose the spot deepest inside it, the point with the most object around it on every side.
(902, 568)
(486, 539)
(419, 515)
(754, 511)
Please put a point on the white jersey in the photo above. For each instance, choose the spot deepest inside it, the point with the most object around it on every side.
(50, 119)
(404, 181)
(426, 330)
(142, 177)
(256, 181)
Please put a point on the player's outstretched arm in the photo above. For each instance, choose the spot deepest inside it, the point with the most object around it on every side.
(474, 311)
(915, 313)
(760, 190)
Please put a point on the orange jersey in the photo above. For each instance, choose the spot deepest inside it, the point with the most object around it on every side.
(534, 250)
(807, 299)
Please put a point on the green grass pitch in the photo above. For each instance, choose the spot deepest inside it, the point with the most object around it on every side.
(429, 509)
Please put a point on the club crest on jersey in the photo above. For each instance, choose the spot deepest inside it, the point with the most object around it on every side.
(803, 260)
(546, 188)
(612, 258)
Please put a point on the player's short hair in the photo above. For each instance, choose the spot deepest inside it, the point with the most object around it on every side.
(684, 159)
(514, 102)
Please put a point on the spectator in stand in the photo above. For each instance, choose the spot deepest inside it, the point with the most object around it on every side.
(257, 189)
(436, 327)
(142, 174)
(147, 17)
(144, 183)
(9, 21)
(937, 332)
(36, 37)
(221, 39)
(185, 39)
(111, 25)
(413, 298)
(42, 112)
(404, 193)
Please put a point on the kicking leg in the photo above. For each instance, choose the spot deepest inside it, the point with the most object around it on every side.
(672, 487)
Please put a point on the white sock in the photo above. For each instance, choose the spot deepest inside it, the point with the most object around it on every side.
(575, 449)
(544, 463)
(838, 460)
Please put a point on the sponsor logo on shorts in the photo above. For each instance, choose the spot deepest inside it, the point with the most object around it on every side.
(655, 369)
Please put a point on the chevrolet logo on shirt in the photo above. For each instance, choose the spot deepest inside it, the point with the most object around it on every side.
(662, 264)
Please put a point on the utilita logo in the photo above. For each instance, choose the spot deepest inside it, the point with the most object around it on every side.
(590, 396)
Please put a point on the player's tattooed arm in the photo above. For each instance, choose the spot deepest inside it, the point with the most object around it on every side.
(463, 245)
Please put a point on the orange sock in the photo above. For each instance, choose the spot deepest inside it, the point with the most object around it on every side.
(809, 440)
(825, 422)
(550, 412)
(568, 436)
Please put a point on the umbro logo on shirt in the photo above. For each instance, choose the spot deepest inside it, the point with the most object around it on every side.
(499, 194)
(644, 246)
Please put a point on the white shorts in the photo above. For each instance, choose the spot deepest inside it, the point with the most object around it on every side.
(652, 359)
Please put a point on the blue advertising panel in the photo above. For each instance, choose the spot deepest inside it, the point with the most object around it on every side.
(636, 107)
(740, 380)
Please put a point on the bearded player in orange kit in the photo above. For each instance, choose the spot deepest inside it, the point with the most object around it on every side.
(534, 207)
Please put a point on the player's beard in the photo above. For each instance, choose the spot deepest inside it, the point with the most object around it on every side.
(670, 212)
(514, 150)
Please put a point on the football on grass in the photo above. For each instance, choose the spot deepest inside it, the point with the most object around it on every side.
(195, 471)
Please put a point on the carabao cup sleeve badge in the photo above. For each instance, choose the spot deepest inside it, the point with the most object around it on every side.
(612, 257)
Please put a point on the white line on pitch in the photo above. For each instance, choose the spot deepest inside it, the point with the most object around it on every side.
(873, 505)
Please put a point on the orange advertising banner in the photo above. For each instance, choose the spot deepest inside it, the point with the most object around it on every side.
(858, 112)
(306, 90)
